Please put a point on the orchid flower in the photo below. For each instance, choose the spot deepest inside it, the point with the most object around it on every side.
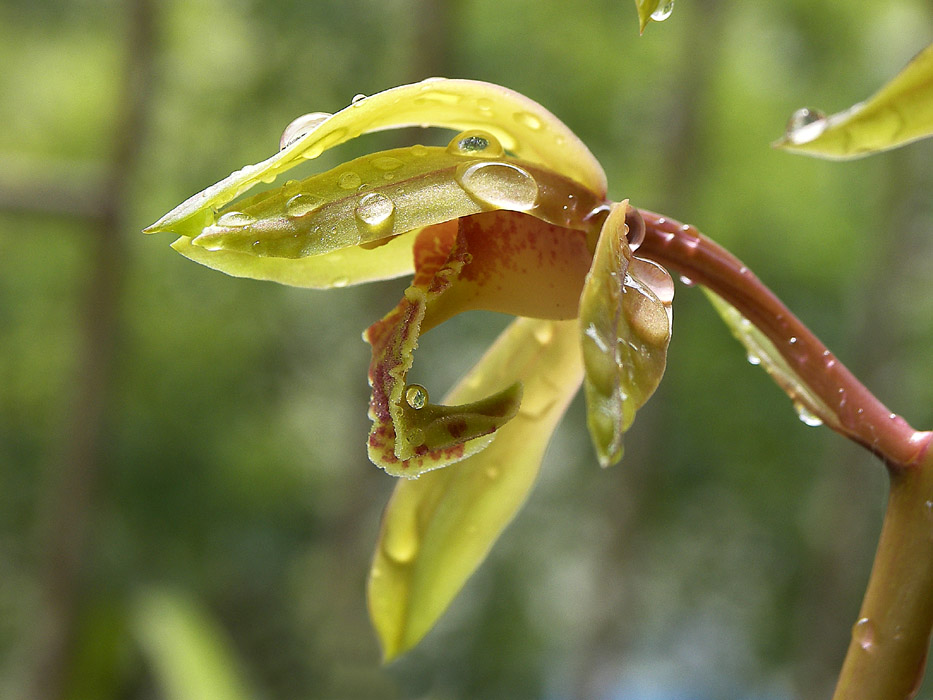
(512, 216)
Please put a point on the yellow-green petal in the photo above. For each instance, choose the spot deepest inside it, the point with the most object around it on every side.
(524, 128)
(340, 268)
(625, 330)
(371, 199)
(437, 529)
(901, 112)
(761, 350)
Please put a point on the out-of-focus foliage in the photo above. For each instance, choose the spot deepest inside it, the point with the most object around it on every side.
(725, 556)
(901, 112)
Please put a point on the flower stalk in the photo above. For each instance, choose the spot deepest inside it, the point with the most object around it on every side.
(890, 639)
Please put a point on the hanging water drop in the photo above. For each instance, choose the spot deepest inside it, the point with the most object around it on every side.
(499, 185)
(416, 396)
(235, 219)
(475, 143)
(806, 416)
(805, 125)
(663, 12)
(300, 126)
(376, 213)
(302, 205)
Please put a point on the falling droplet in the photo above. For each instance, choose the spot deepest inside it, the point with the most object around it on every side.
(499, 185)
(302, 205)
(528, 119)
(357, 97)
(349, 180)
(663, 12)
(235, 219)
(805, 125)
(416, 396)
(304, 124)
(376, 213)
(475, 143)
(863, 632)
(806, 416)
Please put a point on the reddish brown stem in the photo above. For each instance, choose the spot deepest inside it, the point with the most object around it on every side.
(860, 415)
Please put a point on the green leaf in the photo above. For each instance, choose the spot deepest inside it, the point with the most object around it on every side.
(761, 350)
(901, 112)
(437, 529)
(190, 654)
(625, 330)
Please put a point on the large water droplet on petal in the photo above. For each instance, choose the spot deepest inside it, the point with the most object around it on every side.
(302, 205)
(805, 125)
(416, 396)
(376, 212)
(475, 143)
(663, 12)
(304, 124)
(499, 185)
(235, 219)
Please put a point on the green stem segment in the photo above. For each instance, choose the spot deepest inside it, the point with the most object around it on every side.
(890, 640)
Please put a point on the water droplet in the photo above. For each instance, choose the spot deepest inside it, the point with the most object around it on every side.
(419, 150)
(663, 12)
(235, 219)
(387, 163)
(863, 632)
(544, 333)
(792, 340)
(475, 143)
(400, 542)
(528, 119)
(300, 126)
(499, 185)
(753, 359)
(416, 396)
(805, 125)
(806, 416)
(340, 282)
(485, 105)
(357, 97)
(301, 205)
(687, 281)
(376, 212)
(349, 180)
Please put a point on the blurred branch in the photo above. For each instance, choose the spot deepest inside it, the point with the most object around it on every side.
(59, 189)
(72, 493)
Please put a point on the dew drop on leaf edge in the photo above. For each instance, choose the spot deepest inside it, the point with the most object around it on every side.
(663, 12)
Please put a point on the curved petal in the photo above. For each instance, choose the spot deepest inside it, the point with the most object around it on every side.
(626, 327)
(523, 126)
(341, 268)
(439, 528)
(900, 112)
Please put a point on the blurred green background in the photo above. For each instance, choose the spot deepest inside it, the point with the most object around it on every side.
(186, 507)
